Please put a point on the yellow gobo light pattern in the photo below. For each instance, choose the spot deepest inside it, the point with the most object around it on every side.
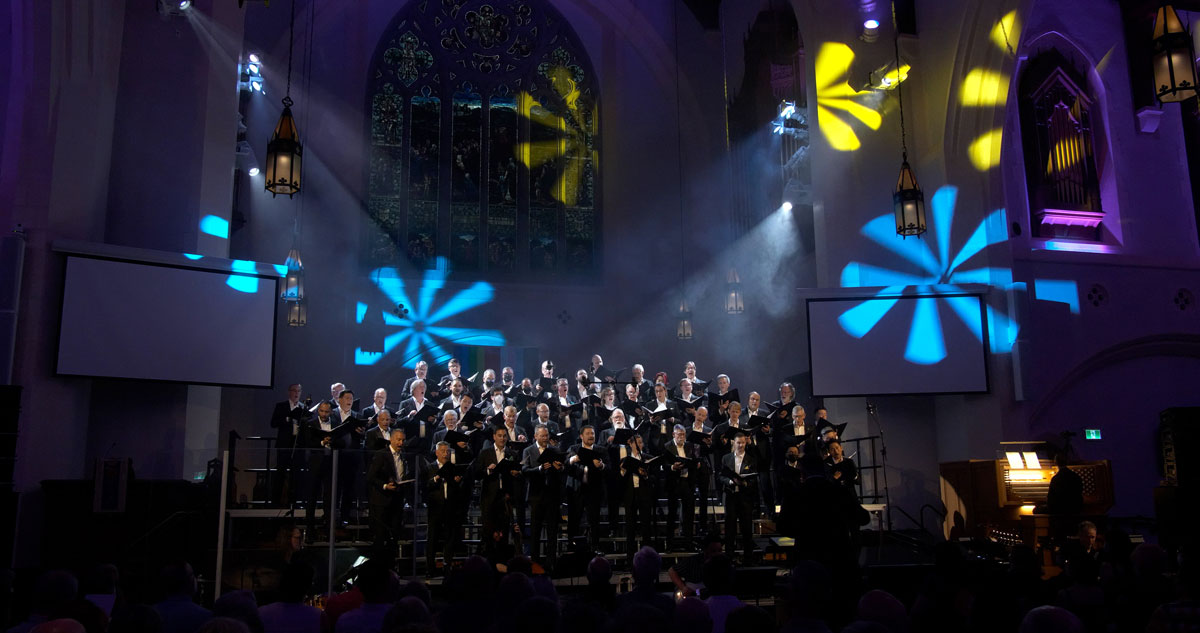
(835, 93)
(983, 88)
(575, 132)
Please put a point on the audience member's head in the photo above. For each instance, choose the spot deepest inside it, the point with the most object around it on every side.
(599, 571)
(407, 612)
(537, 615)
(521, 564)
(61, 625)
(883, 608)
(377, 582)
(52, 591)
(641, 618)
(1050, 620)
(513, 590)
(718, 575)
(296, 581)
(647, 565)
(135, 618)
(418, 590)
(692, 616)
(224, 625)
(177, 580)
(240, 605)
(102, 579)
(809, 589)
(750, 619)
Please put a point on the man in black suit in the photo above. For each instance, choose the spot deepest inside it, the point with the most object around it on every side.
(568, 422)
(379, 436)
(286, 419)
(387, 490)
(378, 403)
(461, 453)
(519, 434)
(445, 384)
(319, 442)
(545, 482)
(637, 486)
(663, 416)
(639, 380)
(350, 461)
(739, 475)
(443, 496)
(419, 373)
(702, 479)
(722, 441)
(585, 487)
(417, 431)
(680, 488)
(497, 486)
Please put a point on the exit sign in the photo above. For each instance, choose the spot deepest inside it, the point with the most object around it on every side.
(1091, 434)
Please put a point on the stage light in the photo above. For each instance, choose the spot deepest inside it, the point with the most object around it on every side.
(254, 69)
(253, 171)
(870, 31)
(184, 5)
(1174, 58)
(254, 59)
(256, 86)
(733, 293)
(787, 206)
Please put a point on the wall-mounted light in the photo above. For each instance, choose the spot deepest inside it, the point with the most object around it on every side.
(1174, 58)
(870, 30)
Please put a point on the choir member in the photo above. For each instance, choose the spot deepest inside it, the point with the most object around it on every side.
(378, 403)
(585, 486)
(320, 442)
(702, 479)
(458, 390)
(334, 389)
(387, 491)
(508, 381)
(419, 373)
(286, 419)
(783, 407)
(350, 461)
(443, 495)
(380, 435)
(485, 386)
(459, 449)
(739, 474)
(544, 480)
(681, 489)
(841, 468)
(663, 414)
(497, 468)
(418, 427)
(638, 493)
(638, 380)
(723, 435)
(455, 369)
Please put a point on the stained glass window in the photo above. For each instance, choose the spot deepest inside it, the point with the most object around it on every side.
(482, 132)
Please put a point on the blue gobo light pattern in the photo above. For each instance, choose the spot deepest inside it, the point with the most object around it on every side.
(422, 328)
(938, 274)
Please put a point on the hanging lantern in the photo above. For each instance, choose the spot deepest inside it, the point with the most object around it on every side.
(684, 331)
(1174, 58)
(298, 313)
(284, 155)
(733, 293)
(910, 203)
(293, 281)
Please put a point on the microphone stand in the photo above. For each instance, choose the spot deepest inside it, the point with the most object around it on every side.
(873, 414)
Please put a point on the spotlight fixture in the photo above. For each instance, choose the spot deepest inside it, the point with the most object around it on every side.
(870, 30)
(1174, 58)
(173, 8)
(253, 171)
(254, 59)
(787, 206)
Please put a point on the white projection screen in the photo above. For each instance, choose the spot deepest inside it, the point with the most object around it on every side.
(929, 344)
(124, 319)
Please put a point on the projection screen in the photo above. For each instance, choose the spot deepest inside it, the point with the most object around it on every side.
(897, 345)
(123, 319)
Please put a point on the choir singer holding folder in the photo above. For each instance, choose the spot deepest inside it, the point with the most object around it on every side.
(389, 480)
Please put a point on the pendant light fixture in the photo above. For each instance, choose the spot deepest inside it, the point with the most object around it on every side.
(1174, 55)
(298, 313)
(908, 198)
(733, 293)
(293, 280)
(284, 151)
(683, 330)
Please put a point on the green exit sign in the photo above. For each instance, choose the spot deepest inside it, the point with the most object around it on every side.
(1091, 434)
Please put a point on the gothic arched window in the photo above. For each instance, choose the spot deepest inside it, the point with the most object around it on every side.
(1060, 164)
(482, 140)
